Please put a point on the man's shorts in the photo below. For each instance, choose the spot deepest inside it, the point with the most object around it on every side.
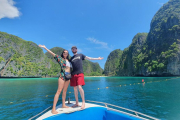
(77, 79)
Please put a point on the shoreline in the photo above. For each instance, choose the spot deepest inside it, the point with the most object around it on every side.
(97, 76)
(20, 77)
(91, 76)
(49, 77)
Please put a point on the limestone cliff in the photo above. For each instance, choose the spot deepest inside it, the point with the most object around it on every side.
(158, 52)
(21, 58)
(112, 62)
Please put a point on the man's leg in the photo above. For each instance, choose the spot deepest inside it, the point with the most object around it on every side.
(82, 96)
(73, 83)
(76, 96)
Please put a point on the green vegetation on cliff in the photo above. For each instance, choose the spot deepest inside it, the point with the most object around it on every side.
(158, 51)
(132, 57)
(91, 68)
(162, 41)
(112, 62)
(20, 58)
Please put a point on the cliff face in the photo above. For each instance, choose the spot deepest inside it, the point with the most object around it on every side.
(20, 58)
(132, 56)
(163, 40)
(112, 62)
(157, 52)
(91, 68)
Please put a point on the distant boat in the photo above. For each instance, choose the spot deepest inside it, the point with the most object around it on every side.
(92, 112)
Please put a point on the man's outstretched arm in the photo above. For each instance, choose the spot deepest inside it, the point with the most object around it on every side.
(90, 58)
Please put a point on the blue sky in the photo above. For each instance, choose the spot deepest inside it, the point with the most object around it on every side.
(96, 27)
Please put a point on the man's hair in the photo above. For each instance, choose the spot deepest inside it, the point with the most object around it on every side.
(73, 47)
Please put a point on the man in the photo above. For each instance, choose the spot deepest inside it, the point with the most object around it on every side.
(77, 80)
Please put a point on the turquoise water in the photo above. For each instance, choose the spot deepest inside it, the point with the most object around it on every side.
(158, 96)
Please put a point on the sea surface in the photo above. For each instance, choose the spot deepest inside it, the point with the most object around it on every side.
(22, 98)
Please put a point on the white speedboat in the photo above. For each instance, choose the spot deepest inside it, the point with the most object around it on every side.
(92, 112)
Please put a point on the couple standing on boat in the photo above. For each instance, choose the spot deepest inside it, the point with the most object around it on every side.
(77, 80)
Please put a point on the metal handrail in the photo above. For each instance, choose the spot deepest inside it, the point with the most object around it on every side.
(136, 113)
(124, 109)
(39, 113)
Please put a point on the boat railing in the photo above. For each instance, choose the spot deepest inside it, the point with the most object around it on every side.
(40, 113)
(138, 114)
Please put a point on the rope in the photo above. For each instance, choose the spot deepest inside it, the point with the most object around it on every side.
(129, 84)
(71, 93)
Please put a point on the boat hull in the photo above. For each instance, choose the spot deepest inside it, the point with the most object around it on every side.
(93, 113)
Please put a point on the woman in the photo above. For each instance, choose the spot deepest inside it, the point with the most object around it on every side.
(63, 84)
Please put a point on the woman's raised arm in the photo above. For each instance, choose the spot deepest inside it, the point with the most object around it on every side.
(43, 46)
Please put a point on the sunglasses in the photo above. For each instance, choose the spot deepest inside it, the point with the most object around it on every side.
(65, 52)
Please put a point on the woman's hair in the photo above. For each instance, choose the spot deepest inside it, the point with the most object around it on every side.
(63, 55)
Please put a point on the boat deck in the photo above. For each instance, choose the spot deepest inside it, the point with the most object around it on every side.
(67, 110)
(92, 109)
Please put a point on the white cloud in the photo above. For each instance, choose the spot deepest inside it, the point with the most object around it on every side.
(80, 50)
(160, 3)
(7, 9)
(102, 44)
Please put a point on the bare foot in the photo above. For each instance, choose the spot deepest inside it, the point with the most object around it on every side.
(83, 106)
(76, 105)
(54, 112)
(64, 106)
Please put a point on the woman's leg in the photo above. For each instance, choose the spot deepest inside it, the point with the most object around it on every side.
(56, 97)
(66, 84)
